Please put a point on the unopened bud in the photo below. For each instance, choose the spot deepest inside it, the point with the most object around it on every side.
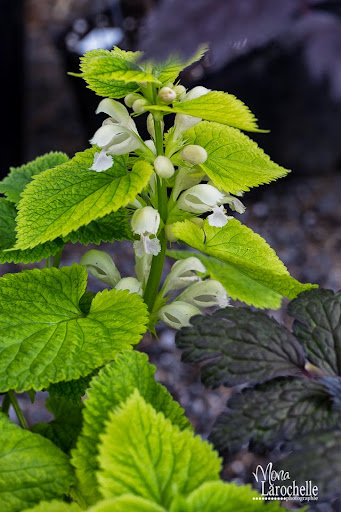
(196, 92)
(145, 221)
(178, 314)
(194, 154)
(131, 284)
(150, 145)
(163, 167)
(138, 105)
(167, 95)
(100, 265)
(130, 98)
(150, 125)
(183, 273)
(205, 294)
(169, 233)
(180, 91)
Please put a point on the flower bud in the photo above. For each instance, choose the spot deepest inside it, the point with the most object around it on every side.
(138, 105)
(180, 91)
(167, 95)
(150, 125)
(145, 221)
(131, 284)
(194, 154)
(169, 233)
(130, 98)
(205, 294)
(200, 198)
(183, 273)
(100, 265)
(196, 92)
(150, 145)
(178, 314)
(163, 167)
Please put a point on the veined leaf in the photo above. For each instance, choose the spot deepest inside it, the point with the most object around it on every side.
(46, 338)
(169, 70)
(234, 162)
(54, 506)
(70, 196)
(129, 56)
(142, 453)
(317, 326)
(282, 409)
(223, 497)
(248, 255)
(71, 391)
(8, 214)
(111, 75)
(217, 106)
(31, 468)
(13, 185)
(114, 226)
(114, 384)
(244, 346)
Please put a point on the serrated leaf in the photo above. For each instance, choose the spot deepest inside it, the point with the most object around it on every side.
(247, 254)
(129, 56)
(235, 163)
(13, 185)
(245, 347)
(46, 338)
(65, 428)
(282, 409)
(110, 75)
(142, 453)
(222, 497)
(216, 106)
(114, 226)
(317, 326)
(128, 503)
(71, 195)
(114, 384)
(316, 458)
(31, 468)
(8, 214)
(169, 70)
(54, 506)
(73, 390)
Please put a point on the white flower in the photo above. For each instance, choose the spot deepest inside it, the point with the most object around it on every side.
(196, 92)
(118, 134)
(183, 273)
(184, 122)
(131, 284)
(235, 204)
(102, 162)
(205, 294)
(145, 222)
(205, 198)
(178, 314)
(194, 154)
(100, 265)
(163, 167)
(185, 179)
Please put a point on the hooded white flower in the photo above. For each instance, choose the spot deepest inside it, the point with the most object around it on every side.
(184, 122)
(101, 265)
(131, 284)
(145, 222)
(183, 273)
(178, 314)
(205, 294)
(117, 135)
(204, 198)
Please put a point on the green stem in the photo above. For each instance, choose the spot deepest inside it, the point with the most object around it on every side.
(18, 411)
(57, 257)
(153, 284)
(48, 262)
(6, 403)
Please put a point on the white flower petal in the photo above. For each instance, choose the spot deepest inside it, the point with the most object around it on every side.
(102, 162)
(114, 109)
(147, 245)
(218, 217)
(105, 135)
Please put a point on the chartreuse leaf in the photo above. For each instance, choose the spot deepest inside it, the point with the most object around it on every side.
(65, 428)
(31, 468)
(129, 56)
(248, 256)
(114, 226)
(234, 162)
(46, 338)
(317, 326)
(54, 506)
(217, 106)
(169, 70)
(143, 453)
(111, 75)
(127, 503)
(8, 213)
(114, 384)
(282, 409)
(316, 457)
(244, 347)
(70, 196)
(222, 497)
(13, 185)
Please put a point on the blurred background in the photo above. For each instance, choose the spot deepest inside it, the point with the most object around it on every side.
(281, 57)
